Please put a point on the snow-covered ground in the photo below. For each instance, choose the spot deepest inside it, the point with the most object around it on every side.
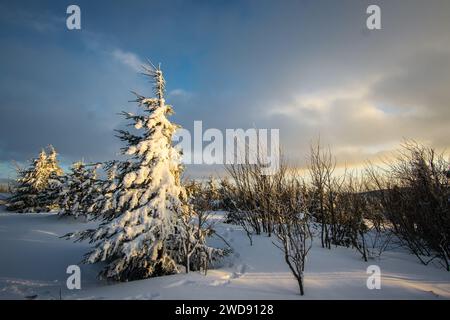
(33, 262)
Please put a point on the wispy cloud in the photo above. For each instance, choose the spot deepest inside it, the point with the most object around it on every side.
(180, 94)
(129, 59)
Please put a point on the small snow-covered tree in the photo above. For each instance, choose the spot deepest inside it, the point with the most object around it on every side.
(139, 235)
(48, 198)
(79, 191)
(34, 184)
(30, 182)
(53, 163)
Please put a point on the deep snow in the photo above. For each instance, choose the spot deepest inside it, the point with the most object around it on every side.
(34, 261)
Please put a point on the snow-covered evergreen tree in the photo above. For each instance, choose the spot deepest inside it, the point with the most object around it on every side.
(139, 233)
(30, 182)
(103, 204)
(53, 163)
(79, 191)
(48, 198)
(103, 198)
(35, 184)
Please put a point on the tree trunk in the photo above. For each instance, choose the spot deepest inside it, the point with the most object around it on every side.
(300, 285)
(187, 263)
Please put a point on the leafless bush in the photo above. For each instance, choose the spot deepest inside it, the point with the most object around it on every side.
(294, 237)
(363, 226)
(343, 207)
(250, 194)
(273, 204)
(415, 197)
(294, 240)
(323, 192)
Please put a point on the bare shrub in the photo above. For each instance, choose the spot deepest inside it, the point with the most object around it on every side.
(250, 197)
(321, 167)
(274, 204)
(343, 207)
(414, 195)
(363, 226)
(294, 237)
(324, 190)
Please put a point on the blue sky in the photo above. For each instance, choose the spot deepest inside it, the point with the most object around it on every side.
(309, 68)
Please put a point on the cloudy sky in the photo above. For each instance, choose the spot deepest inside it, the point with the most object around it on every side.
(310, 68)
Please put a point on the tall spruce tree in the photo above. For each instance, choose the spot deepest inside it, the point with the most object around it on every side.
(138, 237)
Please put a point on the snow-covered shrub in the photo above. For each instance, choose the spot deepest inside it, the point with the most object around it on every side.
(196, 227)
